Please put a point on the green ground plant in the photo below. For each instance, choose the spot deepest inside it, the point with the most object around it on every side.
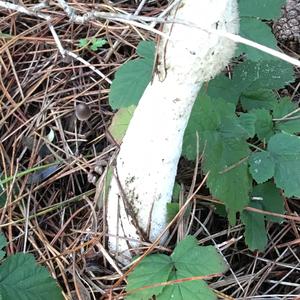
(248, 134)
(23, 279)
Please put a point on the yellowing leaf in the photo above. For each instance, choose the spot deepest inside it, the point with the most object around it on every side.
(120, 123)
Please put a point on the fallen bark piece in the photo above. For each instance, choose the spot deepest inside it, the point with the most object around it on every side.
(147, 162)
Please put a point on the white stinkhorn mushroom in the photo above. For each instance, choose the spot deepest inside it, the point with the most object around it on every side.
(147, 162)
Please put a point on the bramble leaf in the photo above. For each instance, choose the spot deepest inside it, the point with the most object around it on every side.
(152, 269)
(255, 230)
(132, 78)
(258, 98)
(21, 278)
(262, 166)
(285, 150)
(200, 255)
(188, 260)
(120, 123)
(269, 199)
(255, 30)
(263, 124)
(97, 43)
(223, 137)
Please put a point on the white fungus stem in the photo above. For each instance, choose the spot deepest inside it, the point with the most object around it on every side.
(147, 162)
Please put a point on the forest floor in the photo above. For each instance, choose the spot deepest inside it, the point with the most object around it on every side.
(50, 158)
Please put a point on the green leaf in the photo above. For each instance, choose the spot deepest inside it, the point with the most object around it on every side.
(290, 124)
(285, 150)
(200, 261)
(258, 98)
(248, 121)
(262, 166)
(225, 88)
(172, 210)
(196, 290)
(265, 74)
(120, 123)
(263, 124)
(3, 244)
(21, 278)
(83, 43)
(188, 260)
(271, 200)
(223, 137)
(255, 30)
(267, 198)
(264, 9)
(97, 43)
(153, 269)
(132, 78)
(255, 232)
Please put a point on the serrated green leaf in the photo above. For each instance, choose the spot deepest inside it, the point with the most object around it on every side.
(21, 278)
(258, 98)
(285, 150)
(268, 198)
(153, 269)
(120, 123)
(225, 88)
(290, 124)
(3, 244)
(264, 9)
(255, 231)
(83, 43)
(196, 290)
(97, 43)
(188, 260)
(132, 78)
(263, 124)
(223, 138)
(271, 200)
(262, 166)
(265, 74)
(255, 30)
(200, 261)
(248, 121)
(228, 180)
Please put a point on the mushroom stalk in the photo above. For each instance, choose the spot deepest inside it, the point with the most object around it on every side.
(146, 165)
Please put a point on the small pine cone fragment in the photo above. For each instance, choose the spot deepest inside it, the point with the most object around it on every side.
(287, 27)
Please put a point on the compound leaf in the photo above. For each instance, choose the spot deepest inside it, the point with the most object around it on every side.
(132, 78)
(188, 260)
(223, 137)
(21, 278)
(201, 255)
